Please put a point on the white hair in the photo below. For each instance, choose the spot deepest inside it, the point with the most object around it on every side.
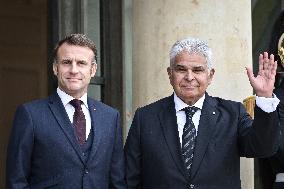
(191, 45)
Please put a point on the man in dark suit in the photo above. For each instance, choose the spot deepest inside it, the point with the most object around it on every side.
(277, 161)
(271, 170)
(193, 140)
(67, 140)
(275, 164)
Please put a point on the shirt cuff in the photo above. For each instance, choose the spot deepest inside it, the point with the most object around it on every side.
(267, 104)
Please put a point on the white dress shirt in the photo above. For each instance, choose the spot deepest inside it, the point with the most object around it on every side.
(266, 104)
(70, 110)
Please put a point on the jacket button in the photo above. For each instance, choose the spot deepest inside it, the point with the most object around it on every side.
(191, 186)
(86, 171)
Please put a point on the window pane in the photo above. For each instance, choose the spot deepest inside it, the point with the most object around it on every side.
(94, 91)
(92, 26)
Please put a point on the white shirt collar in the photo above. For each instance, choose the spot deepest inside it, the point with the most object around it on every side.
(66, 98)
(179, 104)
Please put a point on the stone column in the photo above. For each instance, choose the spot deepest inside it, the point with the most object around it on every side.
(225, 24)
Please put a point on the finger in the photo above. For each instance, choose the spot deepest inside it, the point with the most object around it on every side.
(260, 64)
(267, 64)
(250, 74)
(271, 59)
(273, 70)
(265, 55)
(271, 64)
(266, 60)
(271, 73)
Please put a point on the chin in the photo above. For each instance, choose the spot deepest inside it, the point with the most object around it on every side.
(72, 88)
(188, 93)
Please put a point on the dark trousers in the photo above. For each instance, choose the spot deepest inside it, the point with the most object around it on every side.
(278, 185)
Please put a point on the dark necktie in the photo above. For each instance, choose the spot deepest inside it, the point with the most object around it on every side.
(188, 138)
(79, 121)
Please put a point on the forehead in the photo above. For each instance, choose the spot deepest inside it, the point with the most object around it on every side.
(186, 58)
(66, 51)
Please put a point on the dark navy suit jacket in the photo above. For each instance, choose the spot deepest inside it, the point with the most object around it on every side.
(225, 132)
(271, 166)
(43, 151)
(277, 160)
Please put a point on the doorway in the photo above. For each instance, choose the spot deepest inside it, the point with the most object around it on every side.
(23, 66)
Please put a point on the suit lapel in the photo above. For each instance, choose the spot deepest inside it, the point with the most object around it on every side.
(169, 126)
(58, 110)
(206, 127)
(97, 118)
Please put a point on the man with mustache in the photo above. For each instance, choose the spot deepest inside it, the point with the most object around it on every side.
(67, 140)
(193, 140)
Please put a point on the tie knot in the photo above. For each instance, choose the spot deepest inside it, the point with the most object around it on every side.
(76, 103)
(190, 111)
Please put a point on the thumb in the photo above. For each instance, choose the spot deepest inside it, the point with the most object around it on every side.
(250, 74)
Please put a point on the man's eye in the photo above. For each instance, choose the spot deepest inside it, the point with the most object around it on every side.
(82, 63)
(199, 70)
(180, 69)
(66, 62)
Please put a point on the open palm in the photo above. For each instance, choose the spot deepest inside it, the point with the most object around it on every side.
(263, 83)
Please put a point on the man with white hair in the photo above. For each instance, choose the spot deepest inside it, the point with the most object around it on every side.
(193, 140)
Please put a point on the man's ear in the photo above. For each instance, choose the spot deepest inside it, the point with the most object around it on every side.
(169, 70)
(211, 74)
(54, 67)
(93, 69)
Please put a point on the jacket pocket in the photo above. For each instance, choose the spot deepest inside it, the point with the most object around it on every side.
(47, 183)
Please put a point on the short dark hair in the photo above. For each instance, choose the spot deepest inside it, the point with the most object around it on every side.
(76, 39)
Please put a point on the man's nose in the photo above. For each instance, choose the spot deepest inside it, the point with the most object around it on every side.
(74, 67)
(189, 75)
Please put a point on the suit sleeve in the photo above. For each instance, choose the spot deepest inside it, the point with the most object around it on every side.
(133, 155)
(280, 93)
(279, 157)
(118, 162)
(258, 137)
(19, 150)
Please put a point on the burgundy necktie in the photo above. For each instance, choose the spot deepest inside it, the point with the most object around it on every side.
(79, 121)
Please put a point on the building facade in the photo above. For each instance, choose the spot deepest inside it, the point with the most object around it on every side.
(133, 39)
